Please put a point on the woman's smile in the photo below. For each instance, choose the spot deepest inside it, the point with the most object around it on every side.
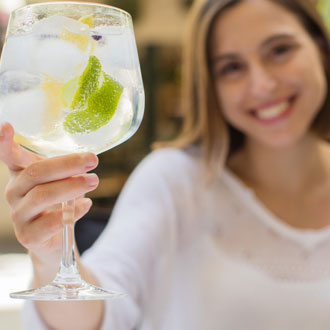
(273, 112)
(270, 82)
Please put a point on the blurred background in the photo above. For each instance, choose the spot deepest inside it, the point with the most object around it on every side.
(158, 26)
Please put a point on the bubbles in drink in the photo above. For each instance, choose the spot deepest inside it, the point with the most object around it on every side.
(111, 51)
(71, 86)
(114, 130)
(54, 25)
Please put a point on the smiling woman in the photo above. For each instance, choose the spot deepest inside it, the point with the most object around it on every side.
(270, 82)
(199, 96)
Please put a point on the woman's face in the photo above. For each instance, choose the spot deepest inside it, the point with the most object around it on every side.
(267, 71)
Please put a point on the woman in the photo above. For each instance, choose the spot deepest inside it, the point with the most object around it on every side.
(247, 250)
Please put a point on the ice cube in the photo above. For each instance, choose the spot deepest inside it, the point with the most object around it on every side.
(25, 111)
(53, 26)
(17, 81)
(58, 59)
(17, 52)
(116, 48)
(128, 78)
(62, 47)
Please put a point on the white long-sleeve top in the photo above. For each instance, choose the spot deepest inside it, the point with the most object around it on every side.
(192, 256)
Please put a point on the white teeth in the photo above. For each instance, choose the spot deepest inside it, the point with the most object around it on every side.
(273, 111)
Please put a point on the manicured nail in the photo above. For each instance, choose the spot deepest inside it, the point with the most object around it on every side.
(92, 179)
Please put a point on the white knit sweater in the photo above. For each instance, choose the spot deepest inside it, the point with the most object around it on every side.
(197, 257)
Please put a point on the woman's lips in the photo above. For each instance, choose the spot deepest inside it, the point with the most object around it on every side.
(274, 112)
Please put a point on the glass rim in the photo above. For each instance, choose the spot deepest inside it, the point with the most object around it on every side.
(65, 3)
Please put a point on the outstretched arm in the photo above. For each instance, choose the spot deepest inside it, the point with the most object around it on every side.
(35, 192)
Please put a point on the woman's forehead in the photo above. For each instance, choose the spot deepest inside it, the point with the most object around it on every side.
(251, 22)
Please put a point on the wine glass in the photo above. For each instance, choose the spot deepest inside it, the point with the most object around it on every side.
(70, 82)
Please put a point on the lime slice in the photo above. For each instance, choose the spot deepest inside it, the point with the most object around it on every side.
(106, 98)
(95, 100)
(87, 84)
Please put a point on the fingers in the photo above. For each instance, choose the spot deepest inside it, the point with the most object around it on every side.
(50, 170)
(41, 230)
(43, 196)
(11, 153)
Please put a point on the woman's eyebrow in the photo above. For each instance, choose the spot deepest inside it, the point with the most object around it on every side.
(276, 37)
(224, 57)
(234, 56)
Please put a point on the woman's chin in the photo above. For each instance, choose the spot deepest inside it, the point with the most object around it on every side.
(281, 141)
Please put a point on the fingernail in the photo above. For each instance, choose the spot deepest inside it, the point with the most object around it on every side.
(90, 161)
(92, 179)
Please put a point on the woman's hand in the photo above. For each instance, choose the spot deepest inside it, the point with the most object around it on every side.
(35, 192)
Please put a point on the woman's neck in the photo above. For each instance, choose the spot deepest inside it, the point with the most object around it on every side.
(293, 169)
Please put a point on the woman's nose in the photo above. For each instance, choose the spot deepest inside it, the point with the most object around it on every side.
(262, 81)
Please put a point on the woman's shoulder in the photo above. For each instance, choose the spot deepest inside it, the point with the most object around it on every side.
(172, 160)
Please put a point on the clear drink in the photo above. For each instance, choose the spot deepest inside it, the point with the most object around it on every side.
(70, 82)
(39, 76)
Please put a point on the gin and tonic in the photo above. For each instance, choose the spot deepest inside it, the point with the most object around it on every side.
(70, 82)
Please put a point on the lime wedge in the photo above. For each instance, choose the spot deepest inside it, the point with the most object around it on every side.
(95, 101)
(83, 121)
(87, 84)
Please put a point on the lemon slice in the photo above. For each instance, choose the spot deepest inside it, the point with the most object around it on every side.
(68, 91)
(93, 106)
(52, 88)
(81, 40)
(88, 20)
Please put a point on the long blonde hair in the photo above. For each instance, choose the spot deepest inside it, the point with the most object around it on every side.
(203, 121)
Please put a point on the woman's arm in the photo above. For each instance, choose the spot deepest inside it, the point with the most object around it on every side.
(34, 193)
(131, 254)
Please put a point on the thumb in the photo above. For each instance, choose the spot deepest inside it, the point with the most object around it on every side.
(11, 153)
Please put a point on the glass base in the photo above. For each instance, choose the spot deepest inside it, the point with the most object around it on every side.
(56, 291)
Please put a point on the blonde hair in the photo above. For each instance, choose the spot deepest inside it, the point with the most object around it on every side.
(203, 122)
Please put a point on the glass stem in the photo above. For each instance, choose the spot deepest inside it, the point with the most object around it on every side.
(68, 272)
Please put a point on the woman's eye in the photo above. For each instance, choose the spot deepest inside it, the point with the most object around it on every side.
(230, 69)
(281, 50)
